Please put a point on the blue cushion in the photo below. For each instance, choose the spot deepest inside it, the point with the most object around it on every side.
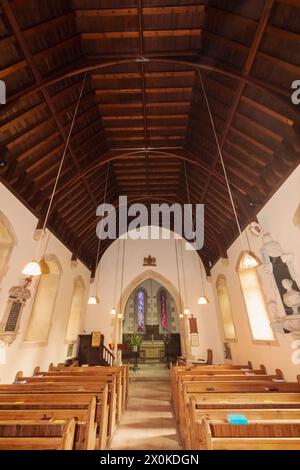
(237, 419)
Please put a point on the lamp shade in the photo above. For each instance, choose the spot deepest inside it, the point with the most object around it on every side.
(181, 315)
(203, 300)
(249, 260)
(94, 300)
(32, 269)
(113, 312)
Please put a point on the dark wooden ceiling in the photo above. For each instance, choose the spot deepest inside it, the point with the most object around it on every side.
(143, 109)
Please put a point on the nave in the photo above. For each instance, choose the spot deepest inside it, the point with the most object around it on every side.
(148, 422)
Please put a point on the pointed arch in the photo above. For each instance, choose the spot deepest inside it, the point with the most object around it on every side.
(40, 320)
(75, 313)
(149, 274)
(8, 241)
(255, 304)
(225, 308)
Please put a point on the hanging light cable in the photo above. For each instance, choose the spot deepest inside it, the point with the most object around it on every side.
(186, 310)
(248, 259)
(113, 311)
(203, 300)
(181, 313)
(94, 299)
(35, 267)
(151, 299)
(120, 314)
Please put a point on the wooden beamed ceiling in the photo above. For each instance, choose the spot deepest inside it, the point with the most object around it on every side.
(143, 108)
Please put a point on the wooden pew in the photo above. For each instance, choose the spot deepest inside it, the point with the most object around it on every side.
(196, 431)
(124, 371)
(239, 387)
(89, 381)
(177, 372)
(73, 378)
(257, 435)
(182, 377)
(229, 402)
(100, 391)
(51, 401)
(85, 419)
(237, 401)
(209, 393)
(113, 379)
(228, 388)
(229, 376)
(37, 435)
(121, 373)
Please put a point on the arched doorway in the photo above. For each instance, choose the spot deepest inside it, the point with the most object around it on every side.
(151, 321)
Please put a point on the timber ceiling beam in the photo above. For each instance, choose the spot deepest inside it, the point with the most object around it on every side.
(30, 60)
(262, 24)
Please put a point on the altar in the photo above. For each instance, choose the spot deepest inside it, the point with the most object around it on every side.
(152, 350)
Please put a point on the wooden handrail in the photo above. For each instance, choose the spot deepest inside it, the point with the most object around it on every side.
(106, 355)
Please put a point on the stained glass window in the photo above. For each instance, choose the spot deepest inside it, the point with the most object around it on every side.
(163, 310)
(141, 311)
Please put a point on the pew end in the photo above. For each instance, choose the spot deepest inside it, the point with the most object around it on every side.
(263, 369)
(19, 376)
(279, 374)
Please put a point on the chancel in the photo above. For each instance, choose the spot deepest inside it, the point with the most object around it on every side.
(149, 226)
(151, 313)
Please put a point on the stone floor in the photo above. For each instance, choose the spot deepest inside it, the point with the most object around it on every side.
(148, 422)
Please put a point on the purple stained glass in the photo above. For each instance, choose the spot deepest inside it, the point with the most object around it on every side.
(163, 308)
(141, 311)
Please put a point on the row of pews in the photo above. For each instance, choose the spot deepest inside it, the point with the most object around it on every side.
(229, 407)
(64, 408)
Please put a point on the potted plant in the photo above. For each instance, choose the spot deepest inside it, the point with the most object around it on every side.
(134, 341)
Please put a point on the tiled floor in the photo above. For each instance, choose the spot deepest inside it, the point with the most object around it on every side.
(148, 422)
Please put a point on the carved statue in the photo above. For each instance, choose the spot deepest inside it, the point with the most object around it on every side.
(276, 318)
(292, 297)
(271, 249)
(9, 326)
(273, 311)
(278, 263)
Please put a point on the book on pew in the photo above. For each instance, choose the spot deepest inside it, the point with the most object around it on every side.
(237, 419)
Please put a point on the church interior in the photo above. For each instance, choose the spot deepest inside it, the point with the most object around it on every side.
(119, 339)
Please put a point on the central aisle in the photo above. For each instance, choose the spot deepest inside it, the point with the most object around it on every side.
(148, 422)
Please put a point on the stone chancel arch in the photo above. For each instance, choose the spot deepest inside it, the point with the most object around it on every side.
(151, 285)
(165, 273)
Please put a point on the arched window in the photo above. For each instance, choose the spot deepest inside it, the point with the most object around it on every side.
(140, 302)
(296, 219)
(225, 309)
(255, 305)
(7, 242)
(39, 325)
(74, 320)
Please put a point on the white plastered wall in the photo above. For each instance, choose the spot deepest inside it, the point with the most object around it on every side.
(98, 317)
(21, 356)
(277, 218)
